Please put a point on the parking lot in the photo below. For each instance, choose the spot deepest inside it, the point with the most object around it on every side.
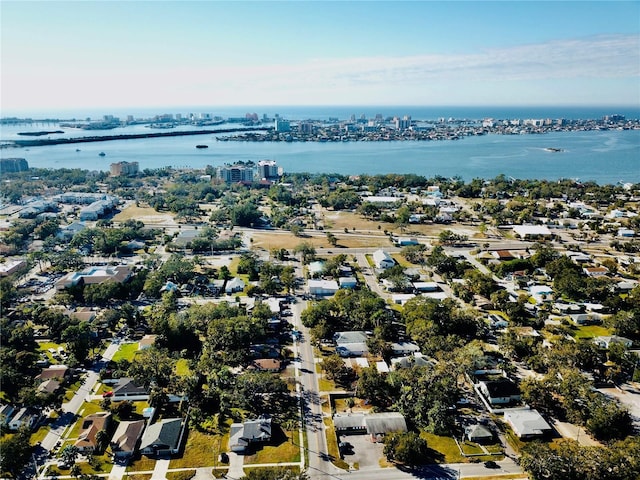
(364, 452)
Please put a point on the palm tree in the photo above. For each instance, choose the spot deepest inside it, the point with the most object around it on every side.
(101, 438)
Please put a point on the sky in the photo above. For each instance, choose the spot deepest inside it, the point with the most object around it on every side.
(83, 54)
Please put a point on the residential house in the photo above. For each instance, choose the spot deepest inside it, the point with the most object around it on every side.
(500, 392)
(600, 271)
(26, 416)
(415, 360)
(351, 344)
(234, 285)
(48, 387)
(243, 435)
(527, 232)
(527, 423)
(322, 287)
(348, 282)
(54, 372)
(127, 389)
(374, 424)
(124, 440)
(541, 293)
(426, 286)
(382, 259)
(606, 341)
(87, 441)
(404, 348)
(478, 434)
(162, 438)
(5, 414)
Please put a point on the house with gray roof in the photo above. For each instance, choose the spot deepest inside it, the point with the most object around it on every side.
(162, 438)
(243, 435)
(527, 423)
(374, 424)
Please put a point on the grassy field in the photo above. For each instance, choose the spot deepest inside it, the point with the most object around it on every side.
(444, 446)
(183, 475)
(590, 331)
(281, 451)
(332, 445)
(71, 390)
(201, 450)
(142, 464)
(127, 351)
(147, 215)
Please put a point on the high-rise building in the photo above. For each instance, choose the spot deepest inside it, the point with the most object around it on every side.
(268, 170)
(236, 173)
(282, 125)
(12, 165)
(124, 169)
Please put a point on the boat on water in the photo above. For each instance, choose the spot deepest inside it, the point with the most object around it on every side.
(553, 149)
(102, 154)
(202, 146)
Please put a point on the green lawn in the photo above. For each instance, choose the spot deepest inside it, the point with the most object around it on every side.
(590, 331)
(87, 408)
(200, 450)
(141, 464)
(283, 452)
(127, 351)
(446, 446)
(183, 475)
(71, 390)
(332, 445)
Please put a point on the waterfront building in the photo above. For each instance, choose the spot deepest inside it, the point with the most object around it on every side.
(13, 165)
(236, 173)
(404, 123)
(124, 169)
(282, 125)
(268, 170)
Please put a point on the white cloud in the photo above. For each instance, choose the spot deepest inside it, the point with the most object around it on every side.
(361, 80)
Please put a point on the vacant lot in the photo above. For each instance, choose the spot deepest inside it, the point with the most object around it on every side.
(146, 215)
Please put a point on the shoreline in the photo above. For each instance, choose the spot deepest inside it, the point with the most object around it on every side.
(41, 142)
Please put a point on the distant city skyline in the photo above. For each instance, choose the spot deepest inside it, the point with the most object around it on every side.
(114, 55)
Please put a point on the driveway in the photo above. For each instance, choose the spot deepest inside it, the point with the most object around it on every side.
(365, 453)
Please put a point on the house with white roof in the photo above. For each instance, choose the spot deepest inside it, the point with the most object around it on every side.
(382, 259)
(526, 423)
(322, 287)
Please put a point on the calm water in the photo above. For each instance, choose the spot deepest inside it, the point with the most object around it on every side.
(605, 157)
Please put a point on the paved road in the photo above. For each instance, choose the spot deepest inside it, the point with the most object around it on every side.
(70, 410)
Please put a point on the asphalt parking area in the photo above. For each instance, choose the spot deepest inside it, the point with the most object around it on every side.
(364, 452)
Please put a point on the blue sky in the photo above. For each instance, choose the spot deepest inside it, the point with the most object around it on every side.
(66, 55)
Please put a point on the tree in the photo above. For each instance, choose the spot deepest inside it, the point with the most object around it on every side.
(306, 250)
(408, 448)
(78, 338)
(70, 454)
(245, 214)
(16, 452)
(332, 365)
(153, 366)
(332, 239)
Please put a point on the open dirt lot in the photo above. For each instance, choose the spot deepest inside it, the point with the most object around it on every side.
(146, 215)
